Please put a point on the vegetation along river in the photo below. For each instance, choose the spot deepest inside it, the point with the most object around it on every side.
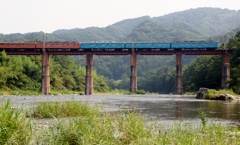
(165, 109)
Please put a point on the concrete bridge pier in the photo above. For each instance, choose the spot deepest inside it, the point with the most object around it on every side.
(225, 70)
(89, 77)
(45, 73)
(133, 76)
(179, 88)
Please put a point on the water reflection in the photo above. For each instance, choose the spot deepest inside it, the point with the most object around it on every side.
(187, 109)
(178, 110)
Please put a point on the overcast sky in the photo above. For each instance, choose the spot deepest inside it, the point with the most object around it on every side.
(23, 16)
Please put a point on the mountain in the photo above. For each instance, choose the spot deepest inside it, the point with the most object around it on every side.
(110, 33)
(166, 31)
(213, 21)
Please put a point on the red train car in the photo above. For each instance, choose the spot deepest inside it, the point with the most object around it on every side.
(17, 45)
(58, 45)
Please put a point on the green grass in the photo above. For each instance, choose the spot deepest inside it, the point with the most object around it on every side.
(142, 92)
(14, 127)
(63, 109)
(132, 129)
(211, 94)
(87, 125)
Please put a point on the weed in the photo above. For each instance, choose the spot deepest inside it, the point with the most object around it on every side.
(14, 127)
(202, 116)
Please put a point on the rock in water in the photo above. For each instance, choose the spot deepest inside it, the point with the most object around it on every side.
(201, 93)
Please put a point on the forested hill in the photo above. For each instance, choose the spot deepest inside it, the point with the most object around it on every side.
(212, 21)
(166, 31)
(208, 21)
(192, 24)
(110, 33)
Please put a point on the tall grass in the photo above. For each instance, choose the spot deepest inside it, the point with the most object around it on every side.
(211, 94)
(203, 117)
(63, 109)
(132, 129)
(108, 129)
(14, 127)
(92, 127)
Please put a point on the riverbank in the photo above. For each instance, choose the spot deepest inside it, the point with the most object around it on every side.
(61, 92)
(95, 127)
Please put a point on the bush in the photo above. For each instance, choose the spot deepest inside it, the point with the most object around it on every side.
(14, 128)
(211, 93)
(141, 92)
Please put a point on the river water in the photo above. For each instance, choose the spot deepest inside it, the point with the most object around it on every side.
(162, 108)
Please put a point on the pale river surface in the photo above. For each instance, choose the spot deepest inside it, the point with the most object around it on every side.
(162, 108)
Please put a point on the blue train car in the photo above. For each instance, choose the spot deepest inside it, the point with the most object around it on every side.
(147, 45)
(102, 45)
(194, 45)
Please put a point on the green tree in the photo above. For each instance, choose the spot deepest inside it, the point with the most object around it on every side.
(234, 44)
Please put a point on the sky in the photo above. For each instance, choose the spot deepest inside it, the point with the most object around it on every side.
(23, 16)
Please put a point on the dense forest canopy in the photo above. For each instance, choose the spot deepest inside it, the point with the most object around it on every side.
(156, 73)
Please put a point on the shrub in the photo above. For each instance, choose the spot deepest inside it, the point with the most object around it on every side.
(141, 92)
(14, 128)
(211, 94)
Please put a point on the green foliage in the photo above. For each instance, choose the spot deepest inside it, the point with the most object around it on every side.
(107, 128)
(142, 92)
(158, 80)
(14, 127)
(205, 71)
(63, 109)
(203, 117)
(234, 44)
(128, 128)
(211, 93)
(133, 129)
(25, 73)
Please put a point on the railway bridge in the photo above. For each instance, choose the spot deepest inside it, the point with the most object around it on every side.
(45, 49)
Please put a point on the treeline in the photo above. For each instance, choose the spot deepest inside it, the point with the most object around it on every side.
(25, 73)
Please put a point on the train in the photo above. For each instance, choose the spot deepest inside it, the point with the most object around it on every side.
(110, 45)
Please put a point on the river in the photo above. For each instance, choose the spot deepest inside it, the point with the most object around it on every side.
(163, 108)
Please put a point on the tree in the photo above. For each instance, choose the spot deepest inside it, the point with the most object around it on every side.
(234, 44)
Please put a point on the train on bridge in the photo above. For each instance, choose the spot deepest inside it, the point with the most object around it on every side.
(122, 46)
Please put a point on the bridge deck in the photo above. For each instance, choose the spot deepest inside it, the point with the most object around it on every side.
(161, 52)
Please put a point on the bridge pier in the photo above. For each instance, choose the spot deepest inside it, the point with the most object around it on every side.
(133, 76)
(45, 73)
(225, 70)
(89, 77)
(179, 88)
